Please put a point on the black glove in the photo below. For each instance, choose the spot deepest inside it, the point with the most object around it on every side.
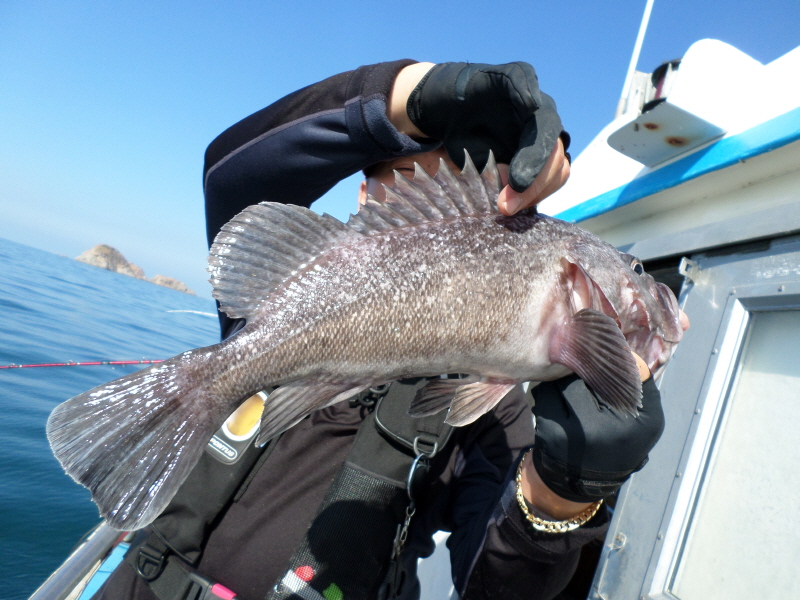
(489, 107)
(584, 453)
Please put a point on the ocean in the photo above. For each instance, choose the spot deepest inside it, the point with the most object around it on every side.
(54, 309)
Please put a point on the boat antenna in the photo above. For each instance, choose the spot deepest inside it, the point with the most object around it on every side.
(623, 101)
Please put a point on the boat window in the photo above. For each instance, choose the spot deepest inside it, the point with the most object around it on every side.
(714, 513)
(741, 538)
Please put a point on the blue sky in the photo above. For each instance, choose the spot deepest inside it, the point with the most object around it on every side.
(106, 107)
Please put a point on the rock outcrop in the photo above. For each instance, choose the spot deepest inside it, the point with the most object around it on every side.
(111, 259)
(171, 282)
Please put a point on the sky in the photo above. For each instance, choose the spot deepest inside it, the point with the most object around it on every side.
(106, 108)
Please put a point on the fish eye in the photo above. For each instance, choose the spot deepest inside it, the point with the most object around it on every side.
(635, 264)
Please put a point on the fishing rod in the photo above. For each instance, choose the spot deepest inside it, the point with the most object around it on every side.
(85, 364)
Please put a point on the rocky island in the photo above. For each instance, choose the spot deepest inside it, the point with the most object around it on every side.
(111, 259)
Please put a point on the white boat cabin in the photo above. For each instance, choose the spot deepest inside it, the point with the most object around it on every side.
(700, 178)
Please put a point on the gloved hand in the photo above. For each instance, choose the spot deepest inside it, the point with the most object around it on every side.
(479, 107)
(583, 453)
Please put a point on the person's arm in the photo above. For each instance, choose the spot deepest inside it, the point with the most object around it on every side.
(583, 454)
(494, 551)
(545, 500)
(298, 148)
(481, 108)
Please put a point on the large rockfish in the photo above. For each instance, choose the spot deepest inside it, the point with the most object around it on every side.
(433, 281)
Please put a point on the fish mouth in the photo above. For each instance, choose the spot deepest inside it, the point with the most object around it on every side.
(672, 331)
(653, 347)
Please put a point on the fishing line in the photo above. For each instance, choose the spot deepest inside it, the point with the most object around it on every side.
(85, 364)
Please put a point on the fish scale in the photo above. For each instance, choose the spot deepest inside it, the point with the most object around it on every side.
(435, 280)
(373, 326)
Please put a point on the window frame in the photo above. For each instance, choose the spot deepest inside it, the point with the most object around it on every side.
(703, 448)
(648, 533)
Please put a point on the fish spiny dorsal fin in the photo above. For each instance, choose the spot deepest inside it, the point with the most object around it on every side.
(264, 245)
(426, 199)
(434, 192)
(491, 178)
(403, 205)
(450, 185)
(374, 220)
(404, 188)
(472, 184)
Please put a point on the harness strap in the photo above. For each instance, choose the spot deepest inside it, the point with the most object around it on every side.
(186, 522)
(356, 538)
(162, 554)
(170, 578)
(357, 535)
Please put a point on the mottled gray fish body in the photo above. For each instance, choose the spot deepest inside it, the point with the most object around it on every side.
(433, 281)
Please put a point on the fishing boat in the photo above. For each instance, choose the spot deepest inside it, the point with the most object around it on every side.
(699, 176)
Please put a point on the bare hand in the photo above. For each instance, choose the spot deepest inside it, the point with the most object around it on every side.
(644, 370)
(553, 175)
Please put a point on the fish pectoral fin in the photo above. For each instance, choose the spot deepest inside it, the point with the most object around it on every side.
(291, 403)
(591, 344)
(436, 396)
(476, 399)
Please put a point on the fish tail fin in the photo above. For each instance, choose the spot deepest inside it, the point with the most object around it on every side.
(133, 441)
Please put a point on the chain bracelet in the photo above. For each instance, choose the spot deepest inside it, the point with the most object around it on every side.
(553, 526)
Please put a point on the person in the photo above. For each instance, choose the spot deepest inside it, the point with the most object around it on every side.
(519, 503)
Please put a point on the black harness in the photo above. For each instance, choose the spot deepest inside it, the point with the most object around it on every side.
(354, 546)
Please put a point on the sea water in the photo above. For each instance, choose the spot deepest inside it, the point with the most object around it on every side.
(54, 309)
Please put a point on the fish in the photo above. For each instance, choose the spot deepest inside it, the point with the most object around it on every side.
(435, 280)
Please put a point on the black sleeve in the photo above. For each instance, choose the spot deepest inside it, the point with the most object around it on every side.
(495, 553)
(298, 148)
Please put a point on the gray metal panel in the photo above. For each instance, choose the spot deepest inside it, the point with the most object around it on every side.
(769, 223)
(723, 286)
(662, 133)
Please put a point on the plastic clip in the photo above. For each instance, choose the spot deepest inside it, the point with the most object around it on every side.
(150, 562)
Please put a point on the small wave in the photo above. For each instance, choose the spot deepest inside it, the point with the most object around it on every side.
(194, 312)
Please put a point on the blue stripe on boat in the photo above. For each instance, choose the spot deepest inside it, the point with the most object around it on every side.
(109, 564)
(762, 138)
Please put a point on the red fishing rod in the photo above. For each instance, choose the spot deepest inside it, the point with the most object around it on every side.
(85, 364)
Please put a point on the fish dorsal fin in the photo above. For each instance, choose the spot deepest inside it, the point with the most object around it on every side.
(267, 243)
(264, 245)
(425, 198)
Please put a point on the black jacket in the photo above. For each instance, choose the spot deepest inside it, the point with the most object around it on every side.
(294, 151)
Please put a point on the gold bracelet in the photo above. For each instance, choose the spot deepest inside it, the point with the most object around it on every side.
(553, 526)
